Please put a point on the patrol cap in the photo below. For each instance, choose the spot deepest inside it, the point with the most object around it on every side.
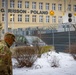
(9, 34)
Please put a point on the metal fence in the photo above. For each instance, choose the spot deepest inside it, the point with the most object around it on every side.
(61, 40)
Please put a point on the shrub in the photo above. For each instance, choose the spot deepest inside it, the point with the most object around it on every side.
(54, 61)
(45, 49)
(72, 50)
(25, 55)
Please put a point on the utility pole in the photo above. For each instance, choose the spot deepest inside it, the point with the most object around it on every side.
(64, 6)
(6, 16)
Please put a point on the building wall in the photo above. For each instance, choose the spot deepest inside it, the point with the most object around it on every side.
(24, 24)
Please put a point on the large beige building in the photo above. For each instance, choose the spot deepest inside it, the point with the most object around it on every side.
(36, 13)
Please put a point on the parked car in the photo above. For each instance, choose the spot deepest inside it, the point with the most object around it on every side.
(33, 41)
(29, 41)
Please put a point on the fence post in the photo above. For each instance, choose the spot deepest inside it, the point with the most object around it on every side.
(69, 37)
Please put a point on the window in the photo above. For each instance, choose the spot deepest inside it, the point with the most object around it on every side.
(20, 18)
(69, 7)
(33, 18)
(59, 19)
(26, 18)
(53, 6)
(40, 18)
(74, 8)
(12, 17)
(59, 7)
(11, 3)
(74, 19)
(53, 19)
(33, 5)
(3, 3)
(47, 19)
(19, 4)
(3, 17)
(47, 6)
(40, 5)
(26, 4)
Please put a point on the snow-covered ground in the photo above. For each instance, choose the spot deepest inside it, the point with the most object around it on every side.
(43, 66)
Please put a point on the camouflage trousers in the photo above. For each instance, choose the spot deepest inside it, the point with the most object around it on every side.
(4, 71)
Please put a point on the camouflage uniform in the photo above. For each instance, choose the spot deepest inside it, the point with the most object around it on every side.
(5, 59)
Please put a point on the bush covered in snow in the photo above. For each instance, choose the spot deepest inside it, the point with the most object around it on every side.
(25, 55)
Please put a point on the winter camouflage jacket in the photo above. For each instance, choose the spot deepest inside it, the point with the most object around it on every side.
(5, 59)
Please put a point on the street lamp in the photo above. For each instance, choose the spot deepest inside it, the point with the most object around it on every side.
(6, 16)
(69, 37)
(12, 17)
(53, 35)
(52, 14)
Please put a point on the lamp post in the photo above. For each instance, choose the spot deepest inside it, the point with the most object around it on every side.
(53, 35)
(12, 18)
(6, 16)
(69, 37)
(64, 6)
(52, 14)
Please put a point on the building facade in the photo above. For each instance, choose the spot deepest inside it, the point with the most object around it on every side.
(36, 13)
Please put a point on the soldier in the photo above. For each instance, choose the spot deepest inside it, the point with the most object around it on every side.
(5, 54)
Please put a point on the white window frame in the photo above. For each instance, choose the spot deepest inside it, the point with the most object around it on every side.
(53, 6)
(74, 8)
(33, 18)
(3, 17)
(12, 3)
(60, 7)
(40, 5)
(69, 7)
(26, 4)
(60, 20)
(19, 4)
(33, 5)
(12, 17)
(19, 17)
(74, 19)
(40, 18)
(26, 18)
(47, 19)
(3, 3)
(47, 6)
(53, 19)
